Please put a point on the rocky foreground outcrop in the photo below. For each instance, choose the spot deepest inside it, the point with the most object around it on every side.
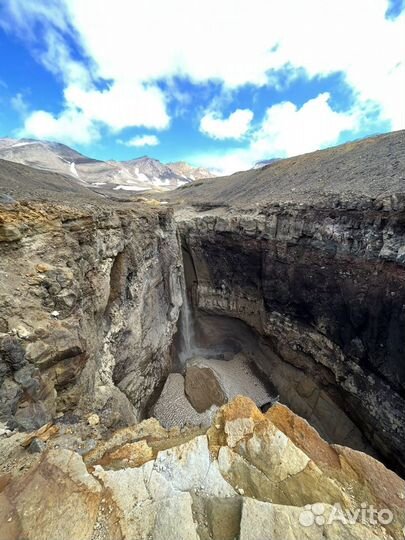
(250, 476)
(89, 300)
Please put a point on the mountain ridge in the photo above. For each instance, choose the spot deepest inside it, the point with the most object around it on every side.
(138, 174)
(360, 167)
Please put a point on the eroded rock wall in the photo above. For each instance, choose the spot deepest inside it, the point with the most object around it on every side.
(323, 288)
(89, 300)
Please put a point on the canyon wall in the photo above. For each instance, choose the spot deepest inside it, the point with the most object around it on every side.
(89, 301)
(320, 289)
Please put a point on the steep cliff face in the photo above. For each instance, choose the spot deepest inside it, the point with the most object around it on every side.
(90, 297)
(320, 288)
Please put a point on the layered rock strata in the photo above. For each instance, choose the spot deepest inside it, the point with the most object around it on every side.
(89, 299)
(320, 286)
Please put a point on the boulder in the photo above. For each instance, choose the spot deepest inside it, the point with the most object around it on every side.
(203, 388)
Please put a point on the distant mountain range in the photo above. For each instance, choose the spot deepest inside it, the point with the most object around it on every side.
(138, 174)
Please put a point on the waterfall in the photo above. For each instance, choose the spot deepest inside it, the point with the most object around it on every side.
(186, 325)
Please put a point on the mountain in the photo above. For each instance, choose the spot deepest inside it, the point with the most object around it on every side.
(139, 174)
(17, 180)
(361, 167)
(187, 171)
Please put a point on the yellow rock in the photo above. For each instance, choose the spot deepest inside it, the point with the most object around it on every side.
(93, 420)
(128, 455)
(42, 268)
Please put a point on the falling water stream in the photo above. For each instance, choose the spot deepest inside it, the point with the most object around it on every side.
(186, 326)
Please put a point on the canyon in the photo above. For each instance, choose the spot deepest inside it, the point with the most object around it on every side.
(285, 284)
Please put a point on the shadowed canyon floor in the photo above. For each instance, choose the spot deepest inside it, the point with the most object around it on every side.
(294, 279)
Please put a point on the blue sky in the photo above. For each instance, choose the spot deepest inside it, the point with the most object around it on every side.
(220, 84)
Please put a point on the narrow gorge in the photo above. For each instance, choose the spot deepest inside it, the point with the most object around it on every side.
(117, 315)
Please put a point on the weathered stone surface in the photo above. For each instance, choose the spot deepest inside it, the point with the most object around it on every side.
(202, 388)
(149, 430)
(85, 297)
(304, 436)
(379, 486)
(61, 344)
(224, 517)
(266, 464)
(44, 433)
(145, 494)
(9, 232)
(128, 455)
(174, 519)
(57, 499)
(264, 520)
(262, 486)
(189, 466)
(36, 446)
(321, 287)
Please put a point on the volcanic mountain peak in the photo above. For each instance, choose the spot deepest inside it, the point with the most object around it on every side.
(140, 174)
(195, 173)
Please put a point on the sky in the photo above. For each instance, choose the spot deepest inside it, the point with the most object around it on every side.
(217, 83)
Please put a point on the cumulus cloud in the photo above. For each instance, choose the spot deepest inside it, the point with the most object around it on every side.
(233, 42)
(233, 127)
(121, 105)
(287, 130)
(87, 111)
(141, 140)
(71, 127)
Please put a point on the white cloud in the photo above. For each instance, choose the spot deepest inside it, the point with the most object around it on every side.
(70, 127)
(288, 130)
(86, 111)
(233, 127)
(121, 105)
(14, 16)
(233, 42)
(246, 40)
(285, 131)
(142, 140)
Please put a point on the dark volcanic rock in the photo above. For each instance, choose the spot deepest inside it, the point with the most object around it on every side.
(319, 277)
(325, 288)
